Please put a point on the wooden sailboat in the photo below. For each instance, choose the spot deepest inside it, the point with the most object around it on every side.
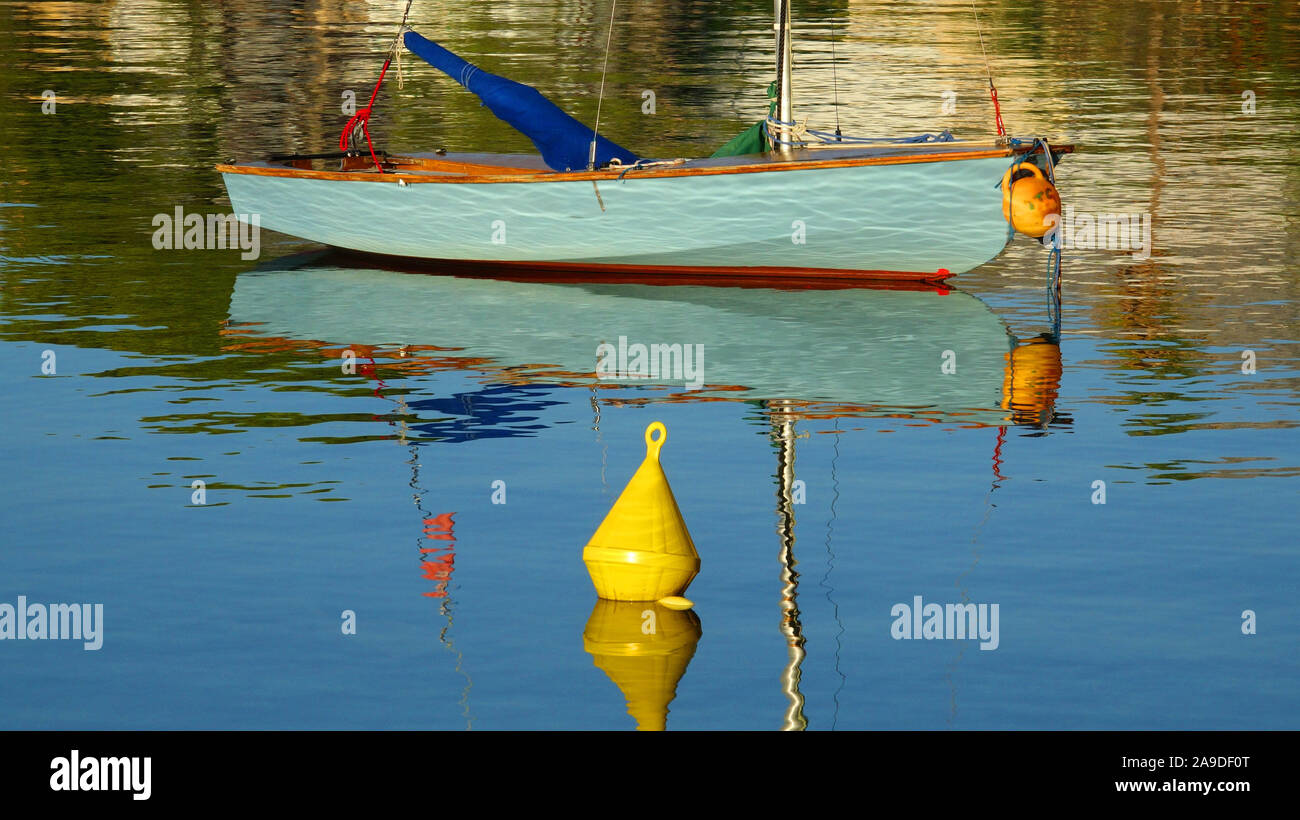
(833, 207)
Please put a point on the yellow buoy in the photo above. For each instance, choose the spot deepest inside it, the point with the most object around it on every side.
(642, 551)
(644, 648)
(1029, 201)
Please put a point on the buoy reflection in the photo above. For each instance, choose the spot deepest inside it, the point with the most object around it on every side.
(644, 648)
(1032, 380)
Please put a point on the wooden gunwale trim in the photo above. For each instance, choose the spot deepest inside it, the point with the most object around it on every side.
(531, 175)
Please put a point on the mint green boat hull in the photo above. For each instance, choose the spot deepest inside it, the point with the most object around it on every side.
(923, 219)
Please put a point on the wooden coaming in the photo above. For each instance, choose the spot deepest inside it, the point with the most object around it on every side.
(417, 169)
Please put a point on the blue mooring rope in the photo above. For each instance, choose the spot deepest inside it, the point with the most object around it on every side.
(1054, 288)
(1054, 253)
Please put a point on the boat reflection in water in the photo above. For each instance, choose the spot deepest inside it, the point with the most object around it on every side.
(923, 354)
(644, 648)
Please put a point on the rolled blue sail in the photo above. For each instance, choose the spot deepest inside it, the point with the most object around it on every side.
(565, 143)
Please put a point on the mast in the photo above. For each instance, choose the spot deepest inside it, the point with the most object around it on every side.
(784, 106)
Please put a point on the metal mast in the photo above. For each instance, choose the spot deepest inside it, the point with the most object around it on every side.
(784, 106)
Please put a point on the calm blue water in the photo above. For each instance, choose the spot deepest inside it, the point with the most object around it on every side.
(1120, 615)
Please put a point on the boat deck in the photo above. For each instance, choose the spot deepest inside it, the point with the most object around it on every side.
(485, 167)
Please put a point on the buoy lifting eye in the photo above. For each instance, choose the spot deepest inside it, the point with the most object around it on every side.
(652, 441)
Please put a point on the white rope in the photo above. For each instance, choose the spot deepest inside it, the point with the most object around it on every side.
(395, 50)
(644, 163)
(789, 133)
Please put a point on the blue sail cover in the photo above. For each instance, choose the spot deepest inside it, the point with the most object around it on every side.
(565, 143)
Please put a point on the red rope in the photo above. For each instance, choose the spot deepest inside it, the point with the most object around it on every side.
(362, 117)
(997, 110)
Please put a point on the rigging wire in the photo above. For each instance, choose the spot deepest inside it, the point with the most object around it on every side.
(835, 82)
(992, 89)
(358, 125)
(980, 32)
(591, 158)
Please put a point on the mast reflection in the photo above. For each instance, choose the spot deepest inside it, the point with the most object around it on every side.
(783, 435)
